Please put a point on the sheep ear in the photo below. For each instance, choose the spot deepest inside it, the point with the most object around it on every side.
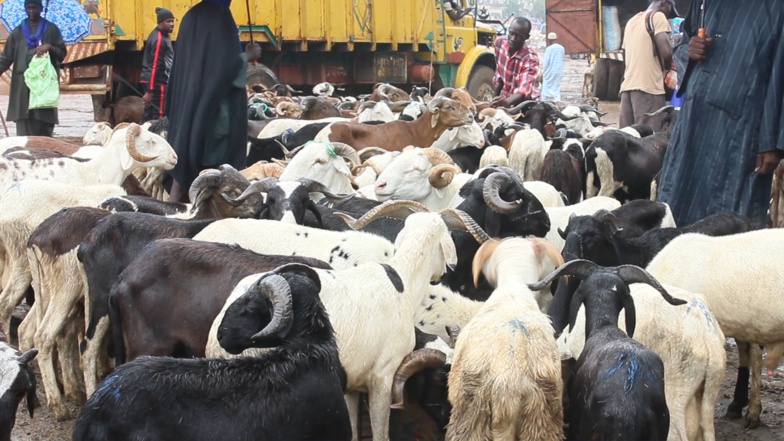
(480, 258)
(126, 162)
(631, 314)
(610, 224)
(434, 118)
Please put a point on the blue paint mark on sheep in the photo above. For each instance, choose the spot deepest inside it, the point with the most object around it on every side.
(636, 368)
(518, 324)
(109, 388)
(695, 303)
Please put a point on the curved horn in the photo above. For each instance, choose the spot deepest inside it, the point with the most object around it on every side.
(133, 131)
(634, 274)
(437, 156)
(480, 257)
(279, 108)
(398, 106)
(412, 363)
(600, 124)
(667, 109)
(369, 152)
(586, 109)
(305, 270)
(382, 91)
(198, 192)
(366, 105)
(579, 268)
(555, 111)
(442, 174)
(314, 186)
(398, 209)
(278, 292)
(435, 103)
(347, 152)
(460, 220)
(491, 194)
(262, 186)
(520, 108)
(28, 356)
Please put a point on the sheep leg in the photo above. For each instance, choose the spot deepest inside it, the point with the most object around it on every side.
(352, 402)
(380, 397)
(70, 358)
(710, 394)
(755, 401)
(14, 292)
(28, 327)
(94, 358)
(740, 398)
(590, 190)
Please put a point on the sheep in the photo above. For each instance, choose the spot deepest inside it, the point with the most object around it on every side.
(129, 148)
(261, 170)
(368, 171)
(564, 172)
(616, 390)
(323, 162)
(505, 381)
(702, 264)
(526, 154)
(241, 398)
(128, 109)
(98, 134)
(25, 204)
(467, 159)
(17, 382)
(375, 111)
(559, 216)
(194, 278)
(370, 358)
(387, 92)
(426, 175)
(37, 142)
(588, 83)
(493, 154)
(469, 135)
(495, 118)
(442, 114)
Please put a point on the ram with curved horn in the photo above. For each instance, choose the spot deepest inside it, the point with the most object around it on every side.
(326, 163)
(617, 385)
(301, 363)
(441, 114)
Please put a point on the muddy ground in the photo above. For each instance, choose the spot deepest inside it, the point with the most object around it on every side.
(76, 117)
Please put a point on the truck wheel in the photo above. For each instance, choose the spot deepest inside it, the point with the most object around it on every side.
(614, 79)
(480, 83)
(260, 77)
(600, 78)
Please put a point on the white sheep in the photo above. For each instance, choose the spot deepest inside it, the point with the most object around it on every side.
(371, 302)
(495, 118)
(129, 148)
(427, 176)
(366, 174)
(467, 135)
(548, 195)
(739, 276)
(279, 125)
(98, 134)
(526, 154)
(323, 162)
(691, 346)
(375, 111)
(505, 381)
(494, 154)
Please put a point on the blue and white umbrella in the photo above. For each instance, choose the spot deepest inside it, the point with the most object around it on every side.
(68, 15)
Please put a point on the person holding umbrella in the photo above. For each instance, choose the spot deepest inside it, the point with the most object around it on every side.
(206, 99)
(34, 36)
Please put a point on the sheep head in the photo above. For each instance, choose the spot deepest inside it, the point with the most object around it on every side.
(98, 134)
(262, 169)
(541, 252)
(214, 194)
(288, 109)
(414, 175)
(325, 163)
(388, 92)
(448, 113)
(141, 148)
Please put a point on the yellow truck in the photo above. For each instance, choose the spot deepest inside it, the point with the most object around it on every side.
(304, 42)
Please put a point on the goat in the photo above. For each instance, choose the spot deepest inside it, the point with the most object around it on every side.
(505, 380)
(442, 114)
(616, 390)
(302, 366)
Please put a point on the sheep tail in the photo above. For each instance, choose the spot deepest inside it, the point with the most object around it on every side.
(471, 410)
(539, 414)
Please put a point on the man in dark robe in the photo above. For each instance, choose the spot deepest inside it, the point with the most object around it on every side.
(206, 99)
(729, 134)
(34, 36)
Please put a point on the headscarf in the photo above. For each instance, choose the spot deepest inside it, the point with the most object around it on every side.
(33, 40)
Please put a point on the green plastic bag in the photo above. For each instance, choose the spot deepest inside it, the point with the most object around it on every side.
(41, 78)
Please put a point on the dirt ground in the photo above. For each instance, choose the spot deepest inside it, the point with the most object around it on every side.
(76, 118)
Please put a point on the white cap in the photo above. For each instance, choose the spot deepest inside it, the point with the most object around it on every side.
(552, 36)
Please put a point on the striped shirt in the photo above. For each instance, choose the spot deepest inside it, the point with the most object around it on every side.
(516, 72)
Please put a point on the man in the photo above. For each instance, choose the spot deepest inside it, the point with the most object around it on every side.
(642, 89)
(553, 69)
(729, 134)
(156, 65)
(516, 66)
(206, 107)
(454, 11)
(34, 36)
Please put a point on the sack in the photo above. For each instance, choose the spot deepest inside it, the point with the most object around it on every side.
(42, 80)
(670, 76)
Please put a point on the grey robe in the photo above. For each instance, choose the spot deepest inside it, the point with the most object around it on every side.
(733, 110)
(16, 52)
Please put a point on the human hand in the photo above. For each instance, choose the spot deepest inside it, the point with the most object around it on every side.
(767, 161)
(42, 49)
(253, 51)
(499, 102)
(147, 99)
(698, 48)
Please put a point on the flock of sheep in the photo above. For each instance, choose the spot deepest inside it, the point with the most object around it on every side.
(485, 264)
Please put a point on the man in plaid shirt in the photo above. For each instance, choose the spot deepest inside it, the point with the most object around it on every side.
(516, 66)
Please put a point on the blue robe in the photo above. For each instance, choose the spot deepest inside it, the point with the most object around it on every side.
(733, 110)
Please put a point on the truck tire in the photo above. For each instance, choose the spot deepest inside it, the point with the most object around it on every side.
(615, 70)
(600, 78)
(480, 83)
(260, 75)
